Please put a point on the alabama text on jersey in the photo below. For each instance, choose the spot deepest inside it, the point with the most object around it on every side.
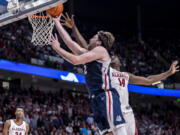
(17, 129)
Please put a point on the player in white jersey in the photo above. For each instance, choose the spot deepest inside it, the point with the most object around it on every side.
(120, 80)
(16, 126)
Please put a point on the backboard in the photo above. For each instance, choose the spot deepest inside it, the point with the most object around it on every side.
(27, 8)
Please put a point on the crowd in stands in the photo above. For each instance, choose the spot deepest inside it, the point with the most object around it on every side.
(157, 119)
(61, 113)
(138, 57)
(68, 113)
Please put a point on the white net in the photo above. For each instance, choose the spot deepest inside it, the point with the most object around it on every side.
(42, 29)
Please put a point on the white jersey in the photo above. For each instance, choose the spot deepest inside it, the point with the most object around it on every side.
(16, 129)
(119, 81)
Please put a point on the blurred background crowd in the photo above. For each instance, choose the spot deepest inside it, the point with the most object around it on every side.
(147, 57)
(68, 112)
(147, 41)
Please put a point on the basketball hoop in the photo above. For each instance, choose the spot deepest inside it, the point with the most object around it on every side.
(42, 25)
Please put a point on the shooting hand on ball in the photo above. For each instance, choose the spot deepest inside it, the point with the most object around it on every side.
(57, 19)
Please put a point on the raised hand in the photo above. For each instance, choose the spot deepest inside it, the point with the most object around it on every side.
(54, 42)
(67, 21)
(174, 67)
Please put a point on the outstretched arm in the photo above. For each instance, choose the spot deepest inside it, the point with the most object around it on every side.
(70, 23)
(154, 78)
(78, 59)
(6, 127)
(75, 48)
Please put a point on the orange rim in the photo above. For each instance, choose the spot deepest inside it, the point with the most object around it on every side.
(38, 16)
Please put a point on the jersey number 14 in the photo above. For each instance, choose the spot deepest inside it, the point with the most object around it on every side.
(121, 82)
(18, 133)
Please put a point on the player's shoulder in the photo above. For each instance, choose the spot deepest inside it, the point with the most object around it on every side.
(102, 53)
(8, 122)
(99, 48)
(112, 69)
(116, 71)
(125, 73)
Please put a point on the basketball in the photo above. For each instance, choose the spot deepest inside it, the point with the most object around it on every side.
(56, 11)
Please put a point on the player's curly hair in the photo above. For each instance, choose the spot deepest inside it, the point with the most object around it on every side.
(106, 38)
